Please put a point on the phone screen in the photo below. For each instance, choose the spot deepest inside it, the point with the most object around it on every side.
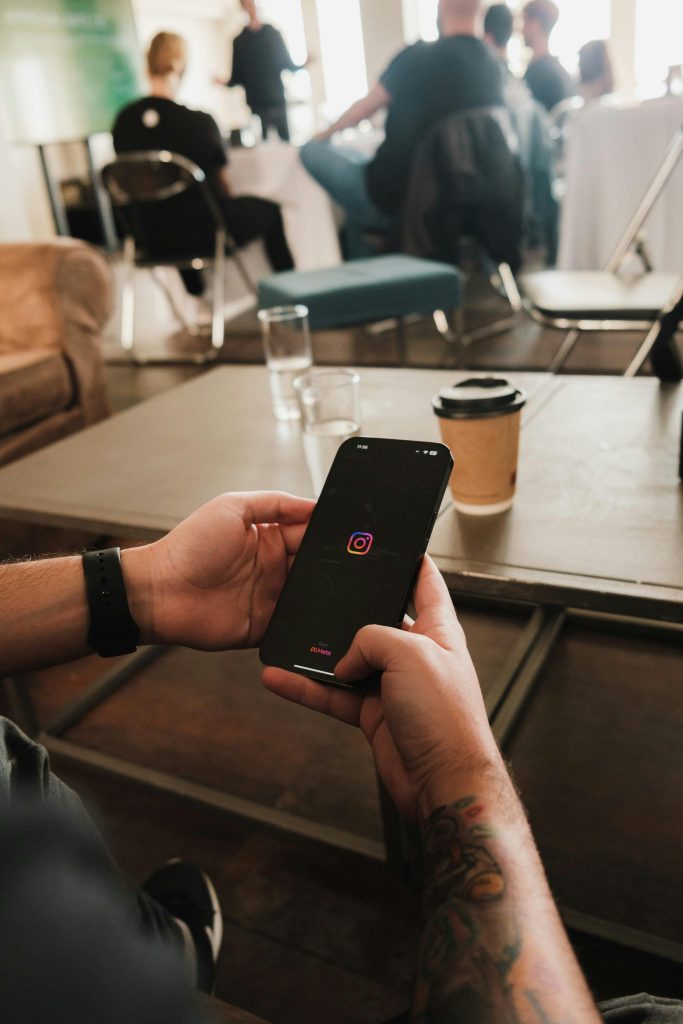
(358, 559)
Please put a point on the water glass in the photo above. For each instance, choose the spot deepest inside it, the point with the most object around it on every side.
(287, 346)
(330, 413)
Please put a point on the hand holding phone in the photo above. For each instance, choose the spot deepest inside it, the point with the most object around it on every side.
(359, 558)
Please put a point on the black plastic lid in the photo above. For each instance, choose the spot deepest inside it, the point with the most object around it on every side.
(478, 398)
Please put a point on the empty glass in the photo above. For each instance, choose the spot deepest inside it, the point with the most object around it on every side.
(287, 347)
(330, 413)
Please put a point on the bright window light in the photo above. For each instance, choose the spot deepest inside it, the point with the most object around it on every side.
(343, 53)
(659, 43)
(580, 22)
(426, 15)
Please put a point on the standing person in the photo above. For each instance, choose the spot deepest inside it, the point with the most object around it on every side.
(259, 56)
(425, 82)
(498, 28)
(159, 122)
(596, 77)
(545, 76)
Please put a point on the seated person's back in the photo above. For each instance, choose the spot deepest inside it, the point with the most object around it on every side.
(158, 122)
(155, 123)
(426, 82)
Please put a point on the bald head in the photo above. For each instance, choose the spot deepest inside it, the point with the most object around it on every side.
(459, 16)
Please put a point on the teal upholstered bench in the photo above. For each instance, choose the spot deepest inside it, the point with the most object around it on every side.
(368, 291)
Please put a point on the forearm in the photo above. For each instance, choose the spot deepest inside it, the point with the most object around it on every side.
(493, 946)
(349, 119)
(44, 614)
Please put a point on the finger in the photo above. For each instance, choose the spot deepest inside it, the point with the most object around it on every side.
(431, 593)
(293, 535)
(407, 624)
(275, 507)
(373, 649)
(339, 704)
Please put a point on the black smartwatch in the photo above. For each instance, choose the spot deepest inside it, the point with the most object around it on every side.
(113, 630)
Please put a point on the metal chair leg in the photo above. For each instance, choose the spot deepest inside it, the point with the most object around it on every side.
(218, 318)
(171, 299)
(660, 346)
(128, 296)
(566, 349)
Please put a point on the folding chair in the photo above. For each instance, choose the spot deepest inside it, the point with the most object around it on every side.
(580, 301)
(170, 217)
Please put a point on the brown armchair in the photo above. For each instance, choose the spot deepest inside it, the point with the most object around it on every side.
(55, 298)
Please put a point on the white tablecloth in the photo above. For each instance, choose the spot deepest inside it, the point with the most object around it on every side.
(612, 156)
(273, 171)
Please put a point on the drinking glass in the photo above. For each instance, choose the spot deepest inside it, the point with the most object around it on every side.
(287, 346)
(330, 413)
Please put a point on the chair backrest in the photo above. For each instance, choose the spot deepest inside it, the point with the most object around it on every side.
(163, 200)
(466, 181)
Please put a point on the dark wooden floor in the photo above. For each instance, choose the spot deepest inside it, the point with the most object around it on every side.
(313, 934)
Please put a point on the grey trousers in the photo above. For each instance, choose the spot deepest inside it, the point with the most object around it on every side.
(643, 1009)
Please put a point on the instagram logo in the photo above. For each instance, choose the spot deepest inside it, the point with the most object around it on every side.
(360, 543)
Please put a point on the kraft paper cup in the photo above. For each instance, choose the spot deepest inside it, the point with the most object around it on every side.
(480, 419)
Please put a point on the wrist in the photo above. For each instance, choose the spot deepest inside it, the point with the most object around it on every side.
(483, 773)
(141, 582)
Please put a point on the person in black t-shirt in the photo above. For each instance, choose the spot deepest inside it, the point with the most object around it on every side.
(259, 56)
(546, 78)
(425, 82)
(158, 122)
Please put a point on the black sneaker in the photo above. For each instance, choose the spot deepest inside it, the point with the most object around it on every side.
(187, 894)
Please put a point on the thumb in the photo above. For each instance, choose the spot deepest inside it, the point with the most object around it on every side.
(373, 649)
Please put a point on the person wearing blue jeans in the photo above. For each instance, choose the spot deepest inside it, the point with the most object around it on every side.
(342, 172)
(74, 935)
(423, 83)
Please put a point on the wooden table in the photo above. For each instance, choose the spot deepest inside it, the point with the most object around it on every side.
(597, 527)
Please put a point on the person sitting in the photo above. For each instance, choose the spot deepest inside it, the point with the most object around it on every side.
(532, 126)
(79, 944)
(158, 122)
(548, 81)
(259, 56)
(596, 77)
(424, 83)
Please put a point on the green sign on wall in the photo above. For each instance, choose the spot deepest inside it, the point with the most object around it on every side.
(66, 67)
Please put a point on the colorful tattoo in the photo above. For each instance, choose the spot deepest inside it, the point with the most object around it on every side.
(471, 943)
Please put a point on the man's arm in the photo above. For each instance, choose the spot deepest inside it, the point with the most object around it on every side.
(493, 949)
(212, 584)
(377, 99)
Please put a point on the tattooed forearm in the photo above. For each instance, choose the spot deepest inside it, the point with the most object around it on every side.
(471, 944)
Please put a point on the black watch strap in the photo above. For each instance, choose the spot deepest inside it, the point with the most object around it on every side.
(113, 630)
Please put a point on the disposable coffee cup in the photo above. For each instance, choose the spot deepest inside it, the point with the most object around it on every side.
(480, 420)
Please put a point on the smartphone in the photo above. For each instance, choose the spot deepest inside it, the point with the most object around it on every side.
(359, 557)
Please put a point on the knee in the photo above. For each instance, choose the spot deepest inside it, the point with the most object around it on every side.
(312, 154)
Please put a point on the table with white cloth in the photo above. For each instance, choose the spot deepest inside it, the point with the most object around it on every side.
(274, 171)
(613, 153)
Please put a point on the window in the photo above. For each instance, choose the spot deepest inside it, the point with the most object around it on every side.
(343, 53)
(659, 43)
